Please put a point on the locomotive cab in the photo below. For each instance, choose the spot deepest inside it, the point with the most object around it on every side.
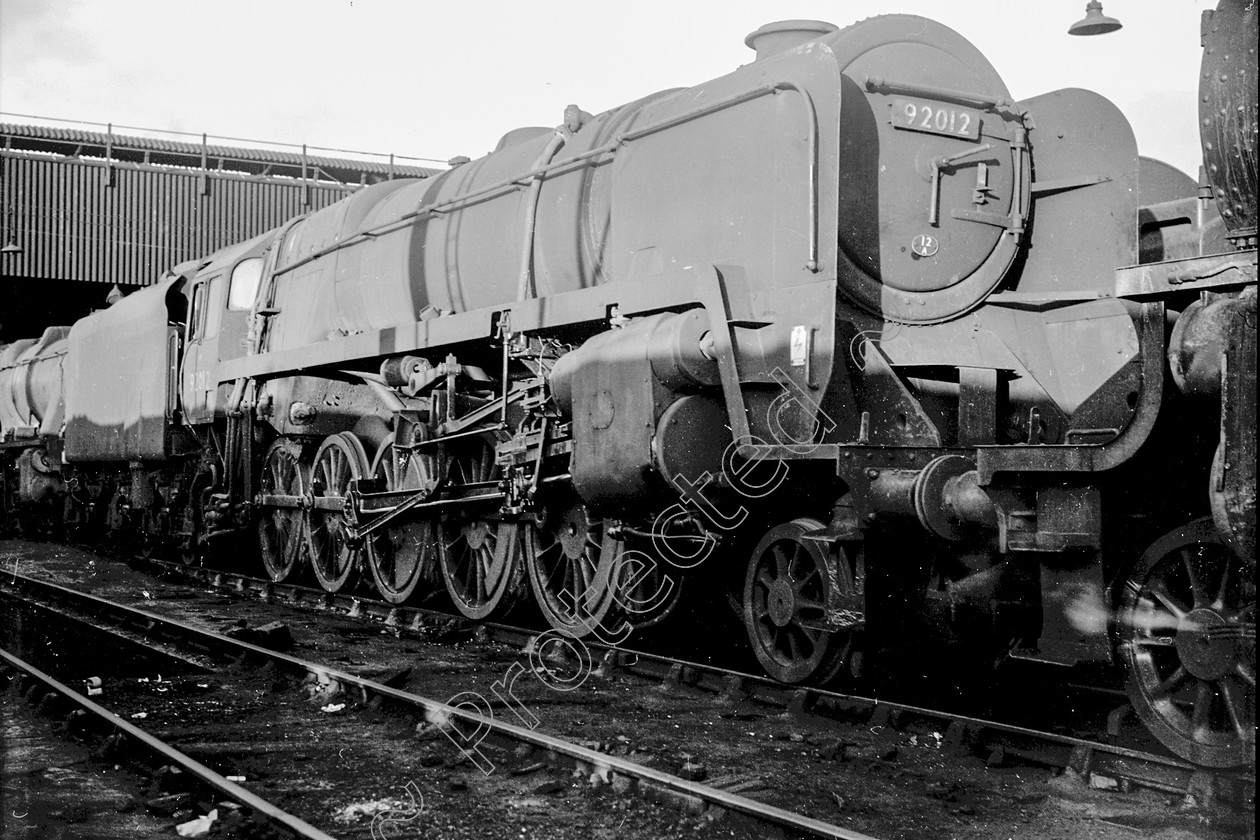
(220, 296)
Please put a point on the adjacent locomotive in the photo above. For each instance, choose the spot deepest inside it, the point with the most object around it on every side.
(848, 325)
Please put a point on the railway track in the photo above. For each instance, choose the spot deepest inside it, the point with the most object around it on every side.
(786, 710)
(331, 683)
(119, 736)
(962, 734)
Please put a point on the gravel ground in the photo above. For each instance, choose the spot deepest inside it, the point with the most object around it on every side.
(52, 788)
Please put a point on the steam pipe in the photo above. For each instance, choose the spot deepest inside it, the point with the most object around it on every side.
(525, 287)
(945, 496)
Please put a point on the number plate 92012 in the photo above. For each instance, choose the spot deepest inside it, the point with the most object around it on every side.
(934, 117)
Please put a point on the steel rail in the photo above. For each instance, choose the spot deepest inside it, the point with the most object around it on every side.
(274, 815)
(162, 657)
(1150, 770)
(434, 709)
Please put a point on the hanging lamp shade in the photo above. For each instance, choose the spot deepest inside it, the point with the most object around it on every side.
(1094, 22)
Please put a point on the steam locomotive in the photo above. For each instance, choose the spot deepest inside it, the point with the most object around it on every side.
(848, 325)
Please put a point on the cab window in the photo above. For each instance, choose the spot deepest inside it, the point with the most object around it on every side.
(244, 287)
(198, 320)
(207, 307)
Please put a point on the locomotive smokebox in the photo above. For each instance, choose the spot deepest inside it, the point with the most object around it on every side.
(783, 35)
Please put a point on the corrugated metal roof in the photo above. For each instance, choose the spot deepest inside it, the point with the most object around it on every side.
(121, 147)
(77, 219)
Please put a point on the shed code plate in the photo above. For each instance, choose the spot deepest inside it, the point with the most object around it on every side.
(934, 117)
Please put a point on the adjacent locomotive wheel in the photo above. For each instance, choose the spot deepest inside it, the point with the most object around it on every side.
(1188, 638)
(400, 555)
(571, 563)
(340, 459)
(480, 557)
(282, 538)
(786, 592)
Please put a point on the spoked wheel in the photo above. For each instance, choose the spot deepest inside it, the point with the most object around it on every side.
(786, 593)
(571, 564)
(1188, 638)
(282, 538)
(340, 459)
(648, 593)
(404, 552)
(480, 557)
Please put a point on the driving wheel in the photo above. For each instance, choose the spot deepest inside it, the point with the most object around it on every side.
(403, 552)
(572, 562)
(334, 558)
(480, 556)
(282, 538)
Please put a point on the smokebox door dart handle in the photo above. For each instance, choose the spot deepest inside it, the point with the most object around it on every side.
(944, 162)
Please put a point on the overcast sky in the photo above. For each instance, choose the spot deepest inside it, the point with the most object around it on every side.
(439, 79)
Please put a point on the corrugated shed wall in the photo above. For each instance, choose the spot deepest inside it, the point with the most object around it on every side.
(73, 225)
